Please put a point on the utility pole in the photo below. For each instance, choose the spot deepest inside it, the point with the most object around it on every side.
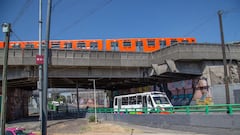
(45, 74)
(226, 82)
(40, 80)
(6, 27)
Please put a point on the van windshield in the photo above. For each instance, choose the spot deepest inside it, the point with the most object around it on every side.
(160, 100)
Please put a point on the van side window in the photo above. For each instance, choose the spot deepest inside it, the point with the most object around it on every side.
(132, 100)
(115, 101)
(139, 99)
(125, 101)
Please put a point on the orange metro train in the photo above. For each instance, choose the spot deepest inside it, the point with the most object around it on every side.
(122, 45)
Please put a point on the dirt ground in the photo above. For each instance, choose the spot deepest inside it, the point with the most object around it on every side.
(83, 127)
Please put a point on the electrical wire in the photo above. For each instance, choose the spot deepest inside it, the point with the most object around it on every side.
(55, 4)
(17, 37)
(91, 12)
(200, 24)
(22, 11)
(232, 10)
(235, 9)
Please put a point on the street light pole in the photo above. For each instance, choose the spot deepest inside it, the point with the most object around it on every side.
(95, 108)
(220, 12)
(94, 94)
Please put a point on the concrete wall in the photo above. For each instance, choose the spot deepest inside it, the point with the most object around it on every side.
(165, 121)
(17, 103)
(219, 94)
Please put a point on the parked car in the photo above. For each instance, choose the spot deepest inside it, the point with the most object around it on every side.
(17, 131)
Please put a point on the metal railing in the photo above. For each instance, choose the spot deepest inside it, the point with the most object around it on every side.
(206, 109)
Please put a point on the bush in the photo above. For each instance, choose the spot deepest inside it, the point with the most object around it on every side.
(91, 118)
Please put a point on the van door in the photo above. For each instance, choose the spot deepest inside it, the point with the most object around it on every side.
(119, 103)
(144, 101)
(150, 103)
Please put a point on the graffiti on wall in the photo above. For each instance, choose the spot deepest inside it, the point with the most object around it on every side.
(181, 91)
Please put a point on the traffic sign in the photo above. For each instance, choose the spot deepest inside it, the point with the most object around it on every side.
(39, 59)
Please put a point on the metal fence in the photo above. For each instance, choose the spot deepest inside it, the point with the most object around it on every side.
(207, 109)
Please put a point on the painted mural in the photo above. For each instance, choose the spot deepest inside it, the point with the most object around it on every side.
(202, 94)
(181, 93)
(194, 92)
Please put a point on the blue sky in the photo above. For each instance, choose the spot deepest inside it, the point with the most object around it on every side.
(104, 19)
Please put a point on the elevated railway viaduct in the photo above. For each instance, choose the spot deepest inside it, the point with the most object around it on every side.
(118, 70)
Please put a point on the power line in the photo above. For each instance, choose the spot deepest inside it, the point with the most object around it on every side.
(232, 10)
(91, 12)
(55, 4)
(200, 24)
(22, 11)
(18, 38)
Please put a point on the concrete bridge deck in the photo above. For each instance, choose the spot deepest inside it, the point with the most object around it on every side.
(67, 67)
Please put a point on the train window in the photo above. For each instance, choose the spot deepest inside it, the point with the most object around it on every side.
(68, 45)
(151, 43)
(29, 46)
(114, 46)
(125, 101)
(139, 45)
(81, 45)
(55, 45)
(163, 43)
(184, 41)
(127, 43)
(173, 41)
(139, 99)
(43, 46)
(16, 46)
(94, 45)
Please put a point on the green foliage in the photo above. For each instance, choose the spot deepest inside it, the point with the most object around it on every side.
(91, 118)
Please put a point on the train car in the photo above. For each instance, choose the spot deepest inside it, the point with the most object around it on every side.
(58, 44)
(77, 44)
(122, 45)
(143, 44)
(21, 44)
(1, 44)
